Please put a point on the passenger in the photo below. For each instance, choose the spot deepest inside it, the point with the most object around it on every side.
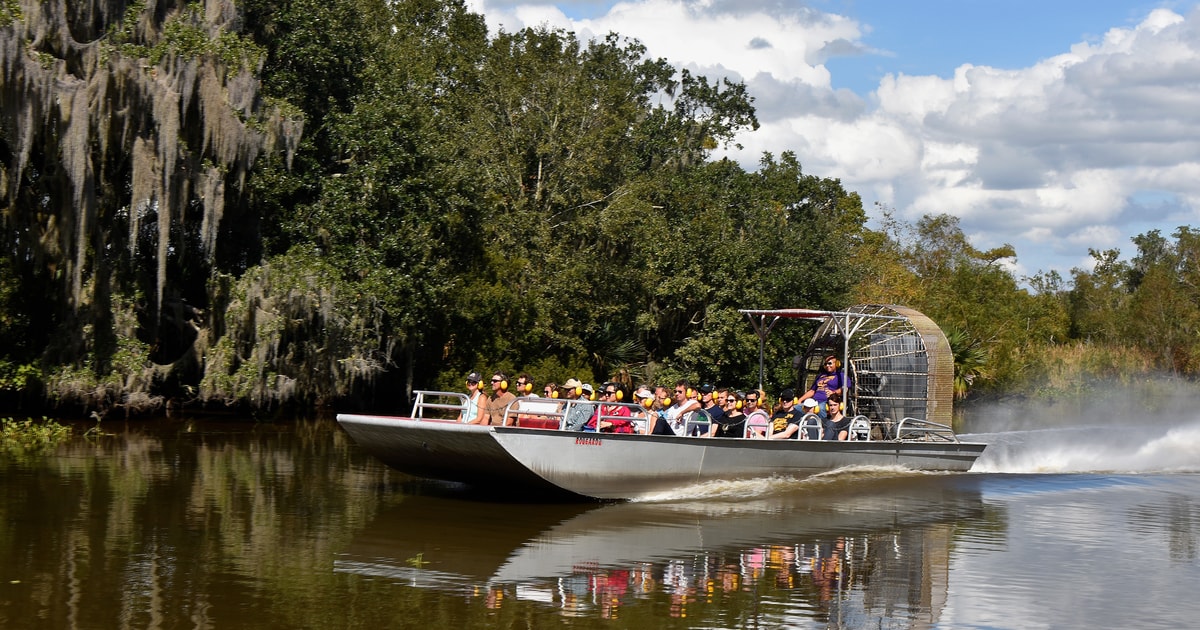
(733, 421)
(662, 397)
(837, 425)
(550, 390)
(828, 382)
(813, 430)
(757, 418)
(685, 405)
(785, 424)
(712, 401)
(700, 422)
(525, 386)
(525, 390)
(471, 413)
(578, 410)
(661, 424)
(648, 415)
(614, 417)
(498, 403)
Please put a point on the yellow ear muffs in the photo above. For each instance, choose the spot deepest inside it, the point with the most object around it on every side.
(738, 405)
(796, 401)
(592, 396)
(528, 388)
(504, 385)
(648, 402)
(691, 393)
(554, 394)
(578, 391)
(666, 402)
(620, 395)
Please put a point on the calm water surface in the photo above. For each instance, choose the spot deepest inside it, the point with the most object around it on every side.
(230, 525)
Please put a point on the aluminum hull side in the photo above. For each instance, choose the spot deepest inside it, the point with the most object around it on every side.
(620, 466)
(443, 450)
(611, 466)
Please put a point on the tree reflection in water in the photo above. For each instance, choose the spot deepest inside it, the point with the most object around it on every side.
(176, 524)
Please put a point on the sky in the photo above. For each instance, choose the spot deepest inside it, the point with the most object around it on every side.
(1057, 126)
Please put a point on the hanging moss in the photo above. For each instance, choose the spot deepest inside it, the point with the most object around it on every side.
(118, 113)
(289, 328)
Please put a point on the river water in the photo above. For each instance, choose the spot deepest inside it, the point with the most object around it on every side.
(195, 524)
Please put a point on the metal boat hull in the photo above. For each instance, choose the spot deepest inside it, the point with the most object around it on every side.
(622, 466)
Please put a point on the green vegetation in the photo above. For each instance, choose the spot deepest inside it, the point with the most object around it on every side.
(28, 437)
(371, 196)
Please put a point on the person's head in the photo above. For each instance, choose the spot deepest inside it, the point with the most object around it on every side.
(681, 392)
(662, 395)
(473, 382)
(524, 384)
(834, 404)
(608, 392)
(787, 398)
(707, 392)
(810, 405)
(550, 390)
(499, 382)
(831, 364)
(572, 389)
(588, 392)
(732, 399)
(644, 397)
(751, 400)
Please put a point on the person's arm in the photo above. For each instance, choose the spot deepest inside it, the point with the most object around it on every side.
(786, 433)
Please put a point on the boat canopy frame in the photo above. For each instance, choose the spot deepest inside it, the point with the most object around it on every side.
(900, 350)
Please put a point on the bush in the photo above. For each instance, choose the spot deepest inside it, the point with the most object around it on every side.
(18, 438)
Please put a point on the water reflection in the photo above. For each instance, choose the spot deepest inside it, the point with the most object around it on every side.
(860, 550)
(176, 525)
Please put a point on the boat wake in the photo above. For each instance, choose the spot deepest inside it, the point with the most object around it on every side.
(1125, 448)
(767, 487)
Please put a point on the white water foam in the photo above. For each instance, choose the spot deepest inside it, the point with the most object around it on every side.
(765, 487)
(1131, 447)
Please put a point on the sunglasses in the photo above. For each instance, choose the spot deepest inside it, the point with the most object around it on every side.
(829, 363)
(751, 400)
(495, 380)
(472, 382)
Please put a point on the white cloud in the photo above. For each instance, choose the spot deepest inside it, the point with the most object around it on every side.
(1049, 157)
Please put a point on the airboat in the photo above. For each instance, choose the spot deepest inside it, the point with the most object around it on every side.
(899, 367)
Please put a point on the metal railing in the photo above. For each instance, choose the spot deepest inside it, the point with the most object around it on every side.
(450, 404)
(431, 400)
(917, 430)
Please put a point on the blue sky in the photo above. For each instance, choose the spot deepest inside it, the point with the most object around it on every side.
(935, 37)
(1056, 126)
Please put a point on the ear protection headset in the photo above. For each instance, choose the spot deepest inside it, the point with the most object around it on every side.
(738, 396)
(527, 387)
(691, 393)
(554, 394)
(503, 382)
(618, 391)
